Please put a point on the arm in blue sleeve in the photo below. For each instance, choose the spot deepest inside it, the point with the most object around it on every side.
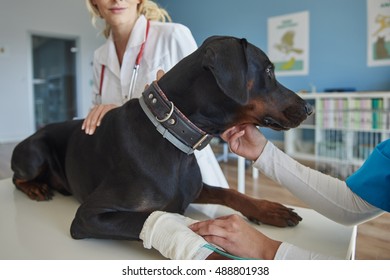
(372, 181)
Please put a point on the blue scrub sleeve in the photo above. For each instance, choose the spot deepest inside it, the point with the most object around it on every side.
(372, 180)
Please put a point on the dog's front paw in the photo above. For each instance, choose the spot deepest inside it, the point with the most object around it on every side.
(36, 191)
(271, 213)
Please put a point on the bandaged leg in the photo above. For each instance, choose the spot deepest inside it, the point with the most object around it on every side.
(169, 234)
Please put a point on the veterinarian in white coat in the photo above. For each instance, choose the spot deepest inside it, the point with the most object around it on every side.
(138, 45)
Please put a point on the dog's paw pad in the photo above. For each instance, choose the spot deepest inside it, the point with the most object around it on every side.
(40, 192)
(255, 221)
(291, 223)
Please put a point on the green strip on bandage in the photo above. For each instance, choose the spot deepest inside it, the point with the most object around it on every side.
(223, 253)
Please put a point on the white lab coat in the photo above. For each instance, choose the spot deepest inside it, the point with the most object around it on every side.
(166, 44)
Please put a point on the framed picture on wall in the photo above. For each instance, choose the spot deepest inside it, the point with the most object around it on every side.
(288, 43)
(378, 37)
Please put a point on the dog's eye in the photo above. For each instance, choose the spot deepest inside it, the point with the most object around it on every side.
(269, 71)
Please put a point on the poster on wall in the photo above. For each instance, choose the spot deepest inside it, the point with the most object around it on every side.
(288, 43)
(378, 39)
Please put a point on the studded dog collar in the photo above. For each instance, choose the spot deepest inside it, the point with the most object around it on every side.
(170, 122)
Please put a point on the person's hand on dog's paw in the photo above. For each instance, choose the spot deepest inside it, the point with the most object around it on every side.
(236, 236)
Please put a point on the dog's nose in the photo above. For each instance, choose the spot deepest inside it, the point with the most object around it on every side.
(308, 109)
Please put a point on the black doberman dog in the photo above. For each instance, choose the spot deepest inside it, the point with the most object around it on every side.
(127, 169)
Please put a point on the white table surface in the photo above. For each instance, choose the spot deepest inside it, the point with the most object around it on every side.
(40, 230)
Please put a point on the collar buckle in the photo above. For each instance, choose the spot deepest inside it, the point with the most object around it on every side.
(181, 132)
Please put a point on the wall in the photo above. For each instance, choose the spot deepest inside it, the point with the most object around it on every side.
(337, 44)
(18, 21)
(338, 32)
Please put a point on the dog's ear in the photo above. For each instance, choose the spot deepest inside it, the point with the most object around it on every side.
(226, 58)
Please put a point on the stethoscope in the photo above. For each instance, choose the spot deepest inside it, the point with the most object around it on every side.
(134, 75)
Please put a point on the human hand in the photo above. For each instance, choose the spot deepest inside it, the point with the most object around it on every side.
(159, 74)
(95, 116)
(237, 237)
(245, 140)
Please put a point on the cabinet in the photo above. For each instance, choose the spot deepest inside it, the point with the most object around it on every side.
(342, 132)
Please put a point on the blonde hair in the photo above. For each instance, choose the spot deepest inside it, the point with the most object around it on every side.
(147, 8)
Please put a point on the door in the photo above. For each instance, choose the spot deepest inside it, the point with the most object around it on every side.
(54, 79)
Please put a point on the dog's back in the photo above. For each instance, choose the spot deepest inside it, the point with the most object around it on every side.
(126, 148)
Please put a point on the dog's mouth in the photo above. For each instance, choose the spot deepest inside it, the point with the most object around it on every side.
(273, 124)
(292, 118)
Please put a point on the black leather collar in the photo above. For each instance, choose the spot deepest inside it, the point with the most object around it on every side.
(170, 122)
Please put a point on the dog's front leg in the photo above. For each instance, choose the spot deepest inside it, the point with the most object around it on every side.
(166, 232)
(170, 235)
(93, 221)
(256, 210)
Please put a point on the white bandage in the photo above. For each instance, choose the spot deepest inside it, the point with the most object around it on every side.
(169, 234)
(288, 251)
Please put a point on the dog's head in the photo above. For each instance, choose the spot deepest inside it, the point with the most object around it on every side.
(233, 82)
(245, 74)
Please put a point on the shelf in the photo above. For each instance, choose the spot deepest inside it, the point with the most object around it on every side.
(307, 126)
(355, 94)
(343, 130)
